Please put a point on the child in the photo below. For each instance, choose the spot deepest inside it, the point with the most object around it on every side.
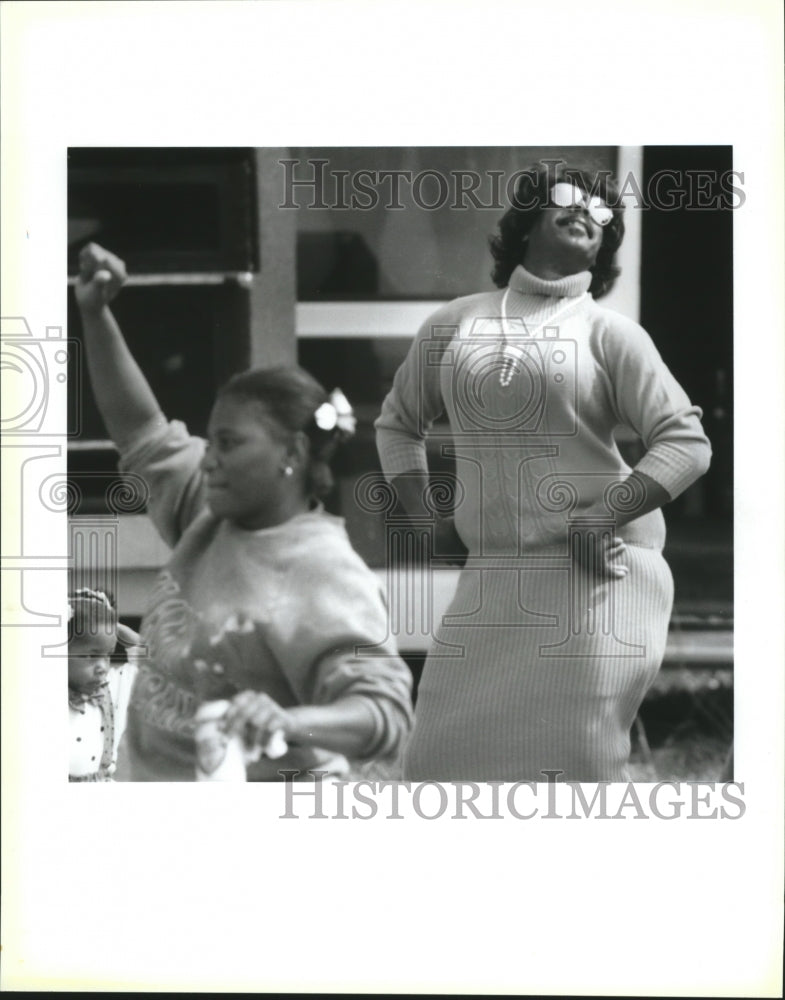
(98, 690)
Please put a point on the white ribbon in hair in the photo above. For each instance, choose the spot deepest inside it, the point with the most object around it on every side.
(337, 413)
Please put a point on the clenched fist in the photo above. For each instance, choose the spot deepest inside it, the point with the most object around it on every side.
(101, 276)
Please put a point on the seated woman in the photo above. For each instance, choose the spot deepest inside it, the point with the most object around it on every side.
(264, 603)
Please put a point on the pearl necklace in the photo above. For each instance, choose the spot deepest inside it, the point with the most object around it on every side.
(511, 356)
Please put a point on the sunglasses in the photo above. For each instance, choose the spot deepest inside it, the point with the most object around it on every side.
(565, 195)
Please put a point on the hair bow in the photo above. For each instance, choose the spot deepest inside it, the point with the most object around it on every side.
(336, 414)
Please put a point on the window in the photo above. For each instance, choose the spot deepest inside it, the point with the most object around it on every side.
(184, 221)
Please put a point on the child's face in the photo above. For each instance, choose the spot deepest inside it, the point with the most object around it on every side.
(88, 660)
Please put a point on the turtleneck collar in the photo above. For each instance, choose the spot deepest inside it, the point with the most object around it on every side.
(572, 285)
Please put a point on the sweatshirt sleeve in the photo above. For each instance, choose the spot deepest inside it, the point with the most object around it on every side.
(415, 400)
(169, 460)
(648, 399)
(330, 635)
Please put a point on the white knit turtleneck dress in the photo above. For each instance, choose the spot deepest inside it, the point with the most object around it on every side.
(535, 667)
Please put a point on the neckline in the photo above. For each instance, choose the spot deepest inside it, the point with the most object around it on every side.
(565, 304)
(315, 513)
(570, 286)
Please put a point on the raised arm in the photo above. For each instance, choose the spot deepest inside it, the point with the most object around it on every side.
(124, 397)
(163, 453)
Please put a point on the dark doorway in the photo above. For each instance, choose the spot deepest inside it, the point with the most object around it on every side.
(687, 307)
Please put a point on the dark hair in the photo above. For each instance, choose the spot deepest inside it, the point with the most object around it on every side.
(531, 196)
(91, 611)
(290, 396)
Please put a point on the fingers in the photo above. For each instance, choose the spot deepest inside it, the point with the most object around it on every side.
(259, 720)
(94, 258)
(126, 636)
(103, 270)
(614, 555)
(239, 711)
(211, 712)
(605, 562)
(276, 745)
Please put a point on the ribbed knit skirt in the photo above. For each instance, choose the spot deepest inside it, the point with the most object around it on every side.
(537, 668)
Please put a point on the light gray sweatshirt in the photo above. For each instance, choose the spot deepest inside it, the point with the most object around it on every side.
(284, 610)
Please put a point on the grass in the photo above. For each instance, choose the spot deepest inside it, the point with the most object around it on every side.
(692, 757)
(684, 730)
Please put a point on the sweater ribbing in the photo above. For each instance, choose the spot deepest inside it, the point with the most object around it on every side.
(536, 666)
(552, 430)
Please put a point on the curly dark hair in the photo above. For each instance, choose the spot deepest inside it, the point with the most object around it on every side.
(290, 396)
(531, 196)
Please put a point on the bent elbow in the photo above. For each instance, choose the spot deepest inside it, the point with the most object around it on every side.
(703, 458)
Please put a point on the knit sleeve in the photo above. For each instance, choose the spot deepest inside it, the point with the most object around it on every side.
(415, 400)
(331, 639)
(649, 400)
(168, 459)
